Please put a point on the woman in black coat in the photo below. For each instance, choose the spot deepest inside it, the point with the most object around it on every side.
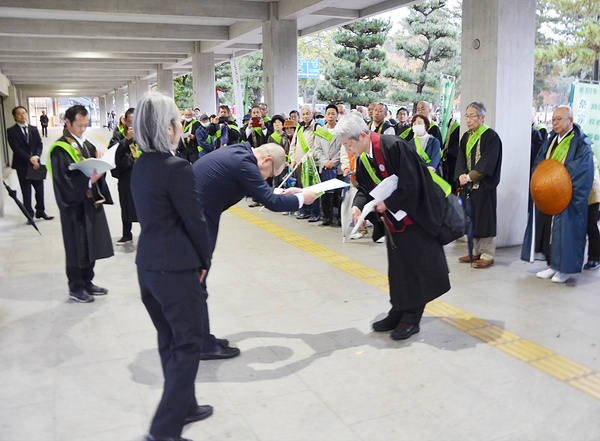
(173, 257)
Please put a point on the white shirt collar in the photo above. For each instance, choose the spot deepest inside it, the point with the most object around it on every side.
(560, 138)
(78, 139)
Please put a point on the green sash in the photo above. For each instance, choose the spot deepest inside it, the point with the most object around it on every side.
(276, 137)
(420, 150)
(324, 133)
(73, 153)
(447, 188)
(561, 150)
(474, 138)
(302, 140)
(404, 134)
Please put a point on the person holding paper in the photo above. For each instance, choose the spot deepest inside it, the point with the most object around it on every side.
(417, 267)
(80, 200)
(223, 178)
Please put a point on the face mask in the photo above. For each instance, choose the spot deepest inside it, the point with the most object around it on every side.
(187, 119)
(419, 129)
(205, 124)
(320, 121)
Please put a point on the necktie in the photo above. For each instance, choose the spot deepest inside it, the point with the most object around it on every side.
(26, 133)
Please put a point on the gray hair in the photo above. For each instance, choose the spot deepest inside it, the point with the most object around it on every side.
(350, 126)
(273, 150)
(153, 115)
(479, 107)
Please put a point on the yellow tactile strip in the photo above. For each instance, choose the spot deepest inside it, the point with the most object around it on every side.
(557, 366)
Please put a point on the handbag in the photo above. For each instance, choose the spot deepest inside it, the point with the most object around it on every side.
(453, 222)
(36, 175)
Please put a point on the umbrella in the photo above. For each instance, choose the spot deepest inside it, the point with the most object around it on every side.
(469, 221)
(13, 194)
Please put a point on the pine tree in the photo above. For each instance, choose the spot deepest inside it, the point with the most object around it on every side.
(576, 25)
(431, 37)
(354, 79)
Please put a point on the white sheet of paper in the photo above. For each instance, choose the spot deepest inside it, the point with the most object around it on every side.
(103, 164)
(364, 213)
(331, 184)
(185, 135)
(384, 190)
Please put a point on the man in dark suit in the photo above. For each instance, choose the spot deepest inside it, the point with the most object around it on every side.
(223, 178)
(26, 143)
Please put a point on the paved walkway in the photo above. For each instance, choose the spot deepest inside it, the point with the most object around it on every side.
(503, 356)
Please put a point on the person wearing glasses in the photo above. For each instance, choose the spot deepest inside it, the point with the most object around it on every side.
(223, 178)
(478, 173)
(80, 200)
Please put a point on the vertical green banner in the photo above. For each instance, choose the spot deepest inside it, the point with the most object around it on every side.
(585, 102)
(447, 88)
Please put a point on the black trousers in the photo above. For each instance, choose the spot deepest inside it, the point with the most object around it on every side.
(176, 303)
(80, 278)
(45, 131)
(26, 185)
(592, 232)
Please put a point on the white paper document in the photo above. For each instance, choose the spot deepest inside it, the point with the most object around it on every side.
(103, 164)
(380, 193)
(331, 184)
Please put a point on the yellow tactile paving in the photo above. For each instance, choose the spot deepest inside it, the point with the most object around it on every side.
(555, 365)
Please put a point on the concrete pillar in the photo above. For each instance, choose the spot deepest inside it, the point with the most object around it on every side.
(497, 69)
(203, 72)
(280, 63)
(110, 101)
(102, 110)
(120, 101)
(132, 94)
(164, 81)
(141, 89)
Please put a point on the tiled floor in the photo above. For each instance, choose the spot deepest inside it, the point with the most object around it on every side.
(310, 369)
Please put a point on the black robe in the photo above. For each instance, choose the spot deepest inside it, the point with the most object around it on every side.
(417, 267)
(124, 161)
(86, 236)
(483, 198)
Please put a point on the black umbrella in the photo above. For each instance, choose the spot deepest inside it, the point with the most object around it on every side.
(469, 221)
(13, 194)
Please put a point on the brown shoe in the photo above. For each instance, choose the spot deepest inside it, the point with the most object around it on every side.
(482, 263)
(466, 259)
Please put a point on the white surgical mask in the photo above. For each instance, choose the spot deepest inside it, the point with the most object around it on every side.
(187, 119)
(419, 129)
(205, 123)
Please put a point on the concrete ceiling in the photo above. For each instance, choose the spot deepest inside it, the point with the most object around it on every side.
(90, 48)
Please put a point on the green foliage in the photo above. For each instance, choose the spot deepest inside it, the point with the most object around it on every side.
(354, 77)
(430, 42)
(251, 74)
(183, 91)
(575, 45)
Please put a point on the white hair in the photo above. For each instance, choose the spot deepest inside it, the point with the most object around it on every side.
(350, 126)
(153, 115)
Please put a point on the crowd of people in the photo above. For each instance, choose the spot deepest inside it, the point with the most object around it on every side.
(178, 172)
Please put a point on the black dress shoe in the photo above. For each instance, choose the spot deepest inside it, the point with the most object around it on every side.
(326, 222)
(404, 330)
(43, 216)
(170, 438)
(221, 353)
(223, 342)
(96, 290)
(199, 414)
(388, 323)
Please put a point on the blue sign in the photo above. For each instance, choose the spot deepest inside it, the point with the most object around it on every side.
(309, 68)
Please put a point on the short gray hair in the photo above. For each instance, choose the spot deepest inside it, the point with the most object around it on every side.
(479, 107)
(350, 126)
(273, 150)
(153, 115)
